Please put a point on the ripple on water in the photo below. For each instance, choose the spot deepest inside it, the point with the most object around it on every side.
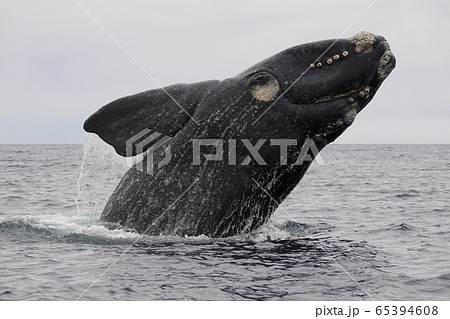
(383, 221)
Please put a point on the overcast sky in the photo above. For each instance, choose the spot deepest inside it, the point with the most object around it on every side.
(57, 66)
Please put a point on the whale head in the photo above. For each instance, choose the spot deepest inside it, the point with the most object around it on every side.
(322, 85)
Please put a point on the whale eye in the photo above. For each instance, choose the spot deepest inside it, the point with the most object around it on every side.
(264, 86)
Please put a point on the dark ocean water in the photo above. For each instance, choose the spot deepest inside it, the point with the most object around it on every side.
(376, 219)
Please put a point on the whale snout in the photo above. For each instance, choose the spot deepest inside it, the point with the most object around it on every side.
(340, 89)
(337, 69)
(363, 41)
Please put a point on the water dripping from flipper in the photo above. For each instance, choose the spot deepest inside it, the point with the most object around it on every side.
(101, 170)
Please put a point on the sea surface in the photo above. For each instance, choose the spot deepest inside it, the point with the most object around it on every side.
(371, 224)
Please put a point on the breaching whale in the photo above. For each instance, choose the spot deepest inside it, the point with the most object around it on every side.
(234, 149)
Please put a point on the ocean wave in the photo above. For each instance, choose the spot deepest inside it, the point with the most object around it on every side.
(88, 230)
(58, 226)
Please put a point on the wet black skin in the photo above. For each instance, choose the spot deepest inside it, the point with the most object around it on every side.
(217, 199)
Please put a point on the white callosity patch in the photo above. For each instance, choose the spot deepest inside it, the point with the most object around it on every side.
(363, 41)
(266, 92)
(387, 64)
(364, 93)
(350, 116)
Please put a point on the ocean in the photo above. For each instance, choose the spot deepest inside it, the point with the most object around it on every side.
(371, 224)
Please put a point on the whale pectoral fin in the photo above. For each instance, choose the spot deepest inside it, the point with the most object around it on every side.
(162, 111)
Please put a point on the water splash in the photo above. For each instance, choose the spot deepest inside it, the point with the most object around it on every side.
(77, 199)
(100, 171)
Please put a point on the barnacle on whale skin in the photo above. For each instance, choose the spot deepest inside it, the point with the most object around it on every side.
(363, 41)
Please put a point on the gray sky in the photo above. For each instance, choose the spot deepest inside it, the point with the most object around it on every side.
(57, 66)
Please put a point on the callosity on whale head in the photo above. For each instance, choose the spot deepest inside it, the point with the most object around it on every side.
(261, 119)
(325, 84)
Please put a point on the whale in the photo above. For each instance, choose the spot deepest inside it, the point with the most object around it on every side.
(218, 157)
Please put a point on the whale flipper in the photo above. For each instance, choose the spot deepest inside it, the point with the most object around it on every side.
(155, 109)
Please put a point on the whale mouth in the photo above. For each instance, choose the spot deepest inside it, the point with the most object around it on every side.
(357, 99)
(385, 66)
(385, 62)
(338, 69)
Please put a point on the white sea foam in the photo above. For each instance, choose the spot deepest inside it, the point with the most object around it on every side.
(84, 225)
